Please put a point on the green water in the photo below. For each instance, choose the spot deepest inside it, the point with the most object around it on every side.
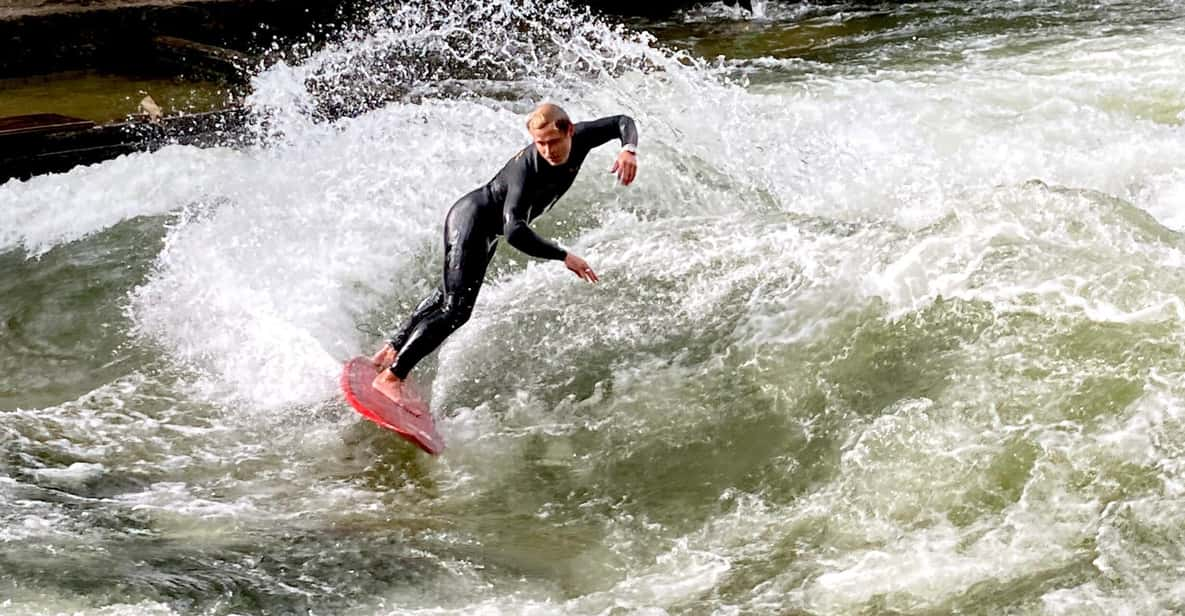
(104, 97)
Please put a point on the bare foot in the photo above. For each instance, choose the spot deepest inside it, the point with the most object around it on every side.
(389, 385)
(384, 358)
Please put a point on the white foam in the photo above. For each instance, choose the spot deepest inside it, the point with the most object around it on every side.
(73, 476)
(48, 210)
(274, 277)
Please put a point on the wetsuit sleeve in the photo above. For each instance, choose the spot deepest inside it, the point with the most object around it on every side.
(519, 233)
(599, 132)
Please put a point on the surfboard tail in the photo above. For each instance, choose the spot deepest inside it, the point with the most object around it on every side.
(409, 418)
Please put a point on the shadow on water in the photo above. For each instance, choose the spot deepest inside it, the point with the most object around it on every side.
(391, 462)
(118, 553)
(48, 352)
(278, 571)
(879, 362)
(103, 549)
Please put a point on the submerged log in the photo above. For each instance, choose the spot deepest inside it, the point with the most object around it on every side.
(40, 123)
(47, 143)
(195, 58)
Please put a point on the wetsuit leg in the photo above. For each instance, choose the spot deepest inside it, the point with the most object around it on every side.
(428, 306)
(468, 248)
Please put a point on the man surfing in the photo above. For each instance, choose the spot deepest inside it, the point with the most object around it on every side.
(529, 185)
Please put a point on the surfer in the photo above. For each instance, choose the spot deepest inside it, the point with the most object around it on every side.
(529, 185)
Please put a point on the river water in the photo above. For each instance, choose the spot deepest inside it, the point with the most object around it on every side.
(890, 323)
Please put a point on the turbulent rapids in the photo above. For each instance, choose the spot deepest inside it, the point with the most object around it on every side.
(890, 322)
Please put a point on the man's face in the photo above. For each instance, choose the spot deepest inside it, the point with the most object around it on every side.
(553, 144)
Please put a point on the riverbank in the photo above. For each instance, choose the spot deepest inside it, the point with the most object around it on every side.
(84, 79)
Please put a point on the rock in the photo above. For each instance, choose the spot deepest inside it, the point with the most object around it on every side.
(150, 109)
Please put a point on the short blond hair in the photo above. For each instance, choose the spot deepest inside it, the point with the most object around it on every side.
(548, 114)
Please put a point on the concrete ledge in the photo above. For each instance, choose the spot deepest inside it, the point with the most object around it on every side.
(34, 8)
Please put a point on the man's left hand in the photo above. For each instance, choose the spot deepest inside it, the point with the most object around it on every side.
(626, 167)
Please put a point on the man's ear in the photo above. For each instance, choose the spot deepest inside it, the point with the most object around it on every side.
(571, 128)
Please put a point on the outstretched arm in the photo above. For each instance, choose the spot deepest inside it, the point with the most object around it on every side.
(598, 132)
(601, 131)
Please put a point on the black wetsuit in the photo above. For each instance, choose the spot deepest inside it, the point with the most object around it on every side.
(525, 188)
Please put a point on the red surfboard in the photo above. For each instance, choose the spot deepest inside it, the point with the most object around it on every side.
(410, 418)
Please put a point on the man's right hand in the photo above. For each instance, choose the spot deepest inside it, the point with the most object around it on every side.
(580, 268)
